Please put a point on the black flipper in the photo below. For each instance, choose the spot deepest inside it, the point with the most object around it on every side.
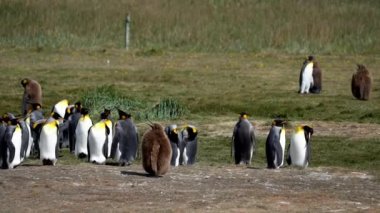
(105, 146)
(115, 142)
(288, 158)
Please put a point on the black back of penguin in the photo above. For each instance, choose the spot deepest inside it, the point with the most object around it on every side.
(275, 144)
(172, 133)
(243, 140)
(126, 137)
(188, 145)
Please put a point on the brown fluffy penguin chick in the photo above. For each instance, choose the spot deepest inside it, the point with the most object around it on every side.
(156, 151)
(32, 95)
(361, 83)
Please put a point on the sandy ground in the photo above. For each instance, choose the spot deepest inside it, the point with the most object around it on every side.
(104, 188)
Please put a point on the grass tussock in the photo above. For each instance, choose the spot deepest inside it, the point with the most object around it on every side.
(341, 26)
(108, 97)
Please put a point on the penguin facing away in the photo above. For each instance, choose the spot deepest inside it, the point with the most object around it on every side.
(13, 143)
(306, 76)
(98, 143)
(25, 136)
(106, 117)
(30, 138)
(361, 83)
(81, 134)
(275, 145)
(299, 150)
(317, 78)
(243, 140)
(73, 122)
(156, 151)
(36, 117)
(125, 141)
(172, 133)
(3, 147)
(188, 145)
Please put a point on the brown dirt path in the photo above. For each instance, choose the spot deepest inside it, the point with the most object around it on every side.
(100, 188)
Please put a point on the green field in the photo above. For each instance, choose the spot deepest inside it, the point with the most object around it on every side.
(204, 59)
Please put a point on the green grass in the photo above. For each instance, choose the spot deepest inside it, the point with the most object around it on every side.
(326, 152)
(198, 85)
(291, 26)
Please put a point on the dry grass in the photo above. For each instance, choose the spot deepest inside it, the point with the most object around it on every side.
(292, 26)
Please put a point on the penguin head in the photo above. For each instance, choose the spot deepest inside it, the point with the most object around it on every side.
(123, 115)
(106, 114)
(189, 132)
(244, 115)
(9, 119)
(78, 106)
(25, 82)
(308, 130)
(278, 122)
(5, 118)
(310, 58)
(55, 115)
(84, 111)
(60, 108)
(69, 111)
(36, 106)
(172, 132)
(299, 129)
(156, 127)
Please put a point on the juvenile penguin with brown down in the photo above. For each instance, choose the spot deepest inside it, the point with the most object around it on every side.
(156, 151)
(361, 83)
(32, 95)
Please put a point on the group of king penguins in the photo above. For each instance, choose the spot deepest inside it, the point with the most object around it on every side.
(243, 144)
(71, 126)
(32, 133)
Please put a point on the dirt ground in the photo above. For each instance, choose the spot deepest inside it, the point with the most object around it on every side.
(200, 188)
(104, 188)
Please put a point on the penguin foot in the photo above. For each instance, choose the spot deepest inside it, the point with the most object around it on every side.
(82, 155)
(48, 162)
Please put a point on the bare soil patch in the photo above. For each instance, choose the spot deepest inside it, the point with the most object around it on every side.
(103, 188)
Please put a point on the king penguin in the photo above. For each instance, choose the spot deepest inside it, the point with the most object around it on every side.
(172, 133)
(299, 150)
(106, 118)
(36, 116)
(98, 142)
(26, 138)
(73, 122)
(49, 138)
(244, 141)
(188, 145)
(306, 75)
(275, 145)
(13, 142)
(3, 147)
(125, 141)
(156, 151)
(81, 134)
